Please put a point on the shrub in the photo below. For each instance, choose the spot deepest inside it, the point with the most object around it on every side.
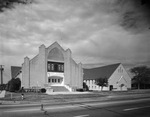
(43, 90)
(85, 87)
(13, 85)
(21, 90)
(80, 90)
(2, 86)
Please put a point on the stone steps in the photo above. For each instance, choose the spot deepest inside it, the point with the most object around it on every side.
(59, 89)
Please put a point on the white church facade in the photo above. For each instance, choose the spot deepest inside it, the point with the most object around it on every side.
(54, 67)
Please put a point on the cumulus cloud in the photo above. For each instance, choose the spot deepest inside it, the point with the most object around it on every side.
(97, 31)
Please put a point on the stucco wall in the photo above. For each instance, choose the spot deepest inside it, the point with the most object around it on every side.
(67, 66)
(37, 69)
(74, 74)
(92, 86)
(80, 78)
(25, 73)
(34, 70)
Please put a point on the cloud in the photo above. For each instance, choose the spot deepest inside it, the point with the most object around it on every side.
(97, 31)
(134, 15)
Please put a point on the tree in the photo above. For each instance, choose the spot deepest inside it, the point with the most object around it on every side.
(85, 87)
(14, 84)
(2, 87)
(102, 82)
(121, 85)
(8, 4)
(141, 75)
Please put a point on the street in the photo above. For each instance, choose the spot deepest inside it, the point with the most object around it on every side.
(121, 108)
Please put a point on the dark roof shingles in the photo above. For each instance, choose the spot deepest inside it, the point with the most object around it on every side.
(99, 72)
(14, 71)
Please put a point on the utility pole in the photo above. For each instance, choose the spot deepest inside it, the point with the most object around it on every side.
(1, 69)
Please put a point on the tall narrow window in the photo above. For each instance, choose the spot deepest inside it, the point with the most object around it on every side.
(49, 80)
(48, 67)
(58, 80)
(59, 67)
(62, 67)
(52, 80)
(52, 67)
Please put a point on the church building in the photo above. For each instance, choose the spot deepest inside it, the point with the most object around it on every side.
(52, 67)
(115, 76)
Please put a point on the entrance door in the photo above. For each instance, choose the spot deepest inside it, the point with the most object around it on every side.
(111, 87)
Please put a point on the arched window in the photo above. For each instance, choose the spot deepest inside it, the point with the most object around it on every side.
(56, 55)
(55, 60)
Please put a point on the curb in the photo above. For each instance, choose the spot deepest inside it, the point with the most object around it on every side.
(76, 100)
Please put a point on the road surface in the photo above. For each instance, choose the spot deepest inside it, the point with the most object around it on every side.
(121, 108)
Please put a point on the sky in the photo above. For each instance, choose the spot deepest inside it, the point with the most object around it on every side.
(96, 31)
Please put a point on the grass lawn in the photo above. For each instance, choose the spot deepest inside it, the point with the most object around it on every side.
(36, 97)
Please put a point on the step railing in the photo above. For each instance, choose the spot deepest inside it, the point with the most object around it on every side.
(68, 87)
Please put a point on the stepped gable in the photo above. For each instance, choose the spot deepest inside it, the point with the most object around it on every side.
(59, 89)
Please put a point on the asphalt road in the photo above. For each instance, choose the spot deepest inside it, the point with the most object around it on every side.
(121, 108)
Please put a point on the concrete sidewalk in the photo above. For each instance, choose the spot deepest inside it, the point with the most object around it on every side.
(52, 102)
(67, 93)
(74, 100)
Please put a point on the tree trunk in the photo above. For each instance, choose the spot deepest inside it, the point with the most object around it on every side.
(101, 88)
(138, 85)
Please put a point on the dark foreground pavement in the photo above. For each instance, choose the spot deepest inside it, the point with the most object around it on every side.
(120, 107)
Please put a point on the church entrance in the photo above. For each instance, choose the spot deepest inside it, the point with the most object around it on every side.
(55, 80)
(55, 67)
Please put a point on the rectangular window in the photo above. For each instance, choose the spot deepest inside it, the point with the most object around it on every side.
(48, 67)
(52, 80)
(49, 80)
(52, 67)
(55, 66)
(62, 67)
(55, 80)
(58, 80)
(59, 67)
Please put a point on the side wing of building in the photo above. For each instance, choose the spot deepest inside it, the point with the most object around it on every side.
(120, 80)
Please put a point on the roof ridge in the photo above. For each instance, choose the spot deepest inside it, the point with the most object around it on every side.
(104, 66)
(100, 72)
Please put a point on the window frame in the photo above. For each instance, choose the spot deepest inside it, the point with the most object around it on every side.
(55, 66)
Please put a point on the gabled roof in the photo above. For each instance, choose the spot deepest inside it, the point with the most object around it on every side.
(56, 44)
(14, 71)
(100, 72)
